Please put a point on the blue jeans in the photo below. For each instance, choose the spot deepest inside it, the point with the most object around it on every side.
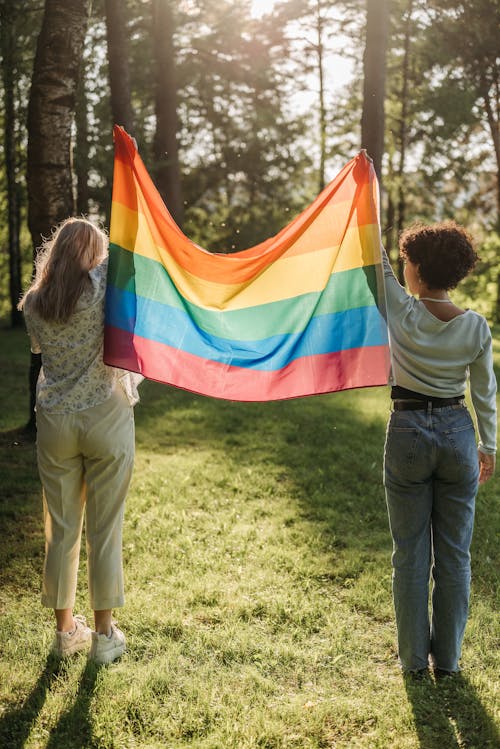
(431, 478)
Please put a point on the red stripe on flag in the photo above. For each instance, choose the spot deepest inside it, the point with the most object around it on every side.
(323, 373)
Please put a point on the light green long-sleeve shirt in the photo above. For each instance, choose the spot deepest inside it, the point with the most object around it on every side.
(435, 358)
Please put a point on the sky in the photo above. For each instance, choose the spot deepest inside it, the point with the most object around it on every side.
(259, 7)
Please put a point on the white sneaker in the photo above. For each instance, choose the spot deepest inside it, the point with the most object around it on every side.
(67, 643)
(107, 649)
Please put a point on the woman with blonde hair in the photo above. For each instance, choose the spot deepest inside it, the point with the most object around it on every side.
(85, 435)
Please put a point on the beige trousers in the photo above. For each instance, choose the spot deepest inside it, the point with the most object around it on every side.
(85, 460)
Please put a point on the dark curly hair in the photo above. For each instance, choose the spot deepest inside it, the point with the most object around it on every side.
(443, 252)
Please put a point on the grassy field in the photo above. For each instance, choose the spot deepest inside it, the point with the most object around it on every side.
(259, 612)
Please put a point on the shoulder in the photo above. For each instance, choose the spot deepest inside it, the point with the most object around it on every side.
(478, 323)
(479, 332)
(397, 297)
(95, 289)
(98, 276)
(29, 311)
(99, 273)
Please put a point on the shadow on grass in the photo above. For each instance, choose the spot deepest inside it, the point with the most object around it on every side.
(21, 524)
(329, 449)
(73, 728)
(16, 723)
(448, 714)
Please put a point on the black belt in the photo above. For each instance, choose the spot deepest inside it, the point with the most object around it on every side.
(423, 405)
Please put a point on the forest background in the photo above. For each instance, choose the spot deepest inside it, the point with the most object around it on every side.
(243, 111)
(259, 609)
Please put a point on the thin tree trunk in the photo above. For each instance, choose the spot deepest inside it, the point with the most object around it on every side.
(403, 132)
(51, 111)
(391, 217)
(493, 115)
(119, 78)
(10, 121)
(165, 145)
(81, 157)
(374, 64)
(322, 110)
(493, 122)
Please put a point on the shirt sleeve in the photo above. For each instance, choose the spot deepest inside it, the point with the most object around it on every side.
(98, 278)
(34, 342)
(395, 294)
(130, 381)
(483, 389)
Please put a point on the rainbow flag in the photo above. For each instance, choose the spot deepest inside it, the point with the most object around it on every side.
(295, 315)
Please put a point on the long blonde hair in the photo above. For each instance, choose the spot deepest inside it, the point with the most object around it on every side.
(61, 269)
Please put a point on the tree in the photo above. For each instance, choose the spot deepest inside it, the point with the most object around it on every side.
(166, 150)
(313, 19)
(8, 24)
(119, 78)
(399, 132)
(469, 35)
(81, 151)
(321, 76)
(51, 112)
(439, 115)
(374, 65)
(93, 151)
(245, 166)
(313, 29)
(466, 35)
(403, 128)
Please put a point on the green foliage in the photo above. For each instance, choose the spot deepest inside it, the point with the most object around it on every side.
(242, 152)
(24, 18)
(450, 165)
(479, 291)
(249, 156)
(258, 614)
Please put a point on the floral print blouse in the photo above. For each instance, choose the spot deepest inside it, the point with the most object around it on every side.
(73, 375)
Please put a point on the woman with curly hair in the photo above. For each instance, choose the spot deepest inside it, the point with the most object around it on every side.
(85, 436)
(432, 465)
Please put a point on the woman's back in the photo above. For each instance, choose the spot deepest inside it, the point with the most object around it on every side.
(73, 376)
(430, 355)
(435, 346)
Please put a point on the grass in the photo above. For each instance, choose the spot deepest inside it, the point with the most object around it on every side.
(259, 612)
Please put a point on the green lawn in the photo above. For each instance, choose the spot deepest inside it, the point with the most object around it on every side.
(258, 613)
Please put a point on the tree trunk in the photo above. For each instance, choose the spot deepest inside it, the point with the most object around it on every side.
(165, 145)
(8, 47)
(322, 110)
(403, 132)
(390, 219)
(492, 113)
(51, 111)
(81, 155)
(119, 78)
(374, 64)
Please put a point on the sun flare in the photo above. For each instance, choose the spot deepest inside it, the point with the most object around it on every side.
(261, 7)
